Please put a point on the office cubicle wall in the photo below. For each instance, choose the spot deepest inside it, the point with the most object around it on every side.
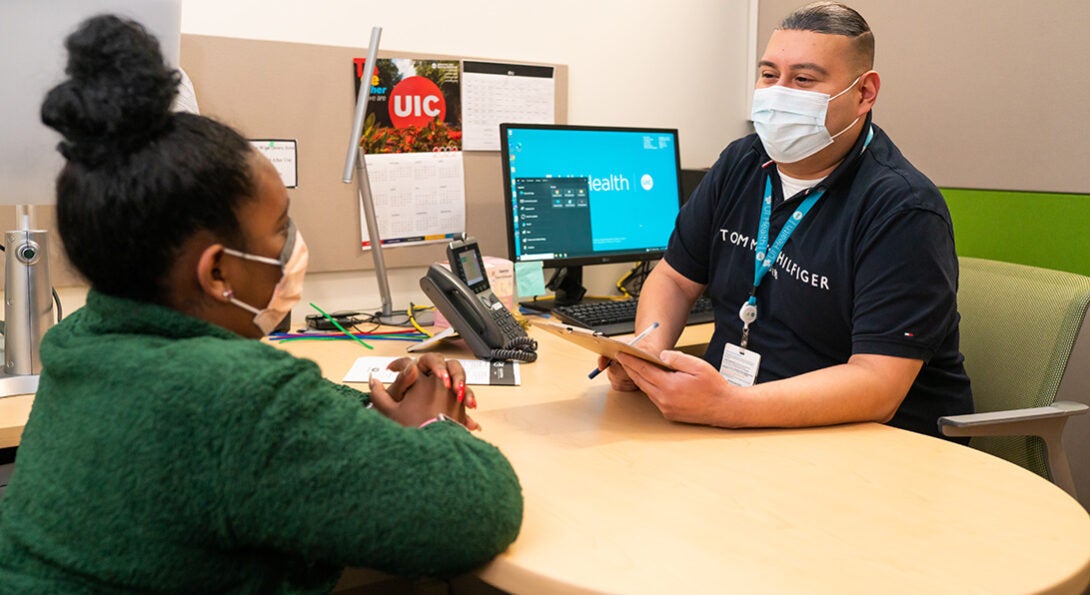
(281, 90)
(985, 95)
(988, 100)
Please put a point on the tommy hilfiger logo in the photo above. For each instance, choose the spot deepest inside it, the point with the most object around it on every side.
(783, 261)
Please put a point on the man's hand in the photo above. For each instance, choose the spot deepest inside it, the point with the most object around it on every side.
(694, 393)
(618, 377)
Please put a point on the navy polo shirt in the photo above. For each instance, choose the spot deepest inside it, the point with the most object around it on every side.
(871, 269)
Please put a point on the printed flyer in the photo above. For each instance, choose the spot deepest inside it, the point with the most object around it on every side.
(412, 142)
(415, 106)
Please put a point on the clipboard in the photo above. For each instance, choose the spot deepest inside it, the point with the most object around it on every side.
(598, 343)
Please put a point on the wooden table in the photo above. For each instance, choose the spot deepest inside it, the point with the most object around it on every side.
(14, 412)
(620, 500)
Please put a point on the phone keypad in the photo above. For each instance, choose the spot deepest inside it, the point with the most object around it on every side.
(508, 325)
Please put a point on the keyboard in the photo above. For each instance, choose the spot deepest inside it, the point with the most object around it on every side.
(619, 317)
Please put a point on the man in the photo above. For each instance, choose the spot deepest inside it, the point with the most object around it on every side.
(852, 316)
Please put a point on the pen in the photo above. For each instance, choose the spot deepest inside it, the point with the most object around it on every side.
(647, 331)
(339, 327)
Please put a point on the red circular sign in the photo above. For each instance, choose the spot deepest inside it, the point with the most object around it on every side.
(416, 101)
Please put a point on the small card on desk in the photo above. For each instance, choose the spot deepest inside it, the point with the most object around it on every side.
(477, 371)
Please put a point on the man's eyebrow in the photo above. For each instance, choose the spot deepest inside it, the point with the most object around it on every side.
(810, 66)
(794, 67)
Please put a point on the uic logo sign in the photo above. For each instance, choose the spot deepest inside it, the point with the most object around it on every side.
(416, 101)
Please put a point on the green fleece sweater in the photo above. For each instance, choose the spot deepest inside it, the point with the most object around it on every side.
(165, 454)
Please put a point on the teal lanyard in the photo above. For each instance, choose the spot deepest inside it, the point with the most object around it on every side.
(766, 256)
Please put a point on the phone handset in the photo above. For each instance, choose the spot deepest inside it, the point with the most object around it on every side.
(466, 300)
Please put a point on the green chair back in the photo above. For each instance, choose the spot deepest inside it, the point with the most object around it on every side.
(1018, 325)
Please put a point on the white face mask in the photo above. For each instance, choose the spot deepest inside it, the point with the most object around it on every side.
(791, 122)
(293, 263)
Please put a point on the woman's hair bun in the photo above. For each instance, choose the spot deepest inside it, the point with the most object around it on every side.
(119, 93)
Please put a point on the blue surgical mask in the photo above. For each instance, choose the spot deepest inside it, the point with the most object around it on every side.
(791, 122)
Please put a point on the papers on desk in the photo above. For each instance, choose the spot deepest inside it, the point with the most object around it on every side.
(477, 371)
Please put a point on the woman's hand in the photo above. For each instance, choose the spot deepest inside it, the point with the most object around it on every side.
(423, 389)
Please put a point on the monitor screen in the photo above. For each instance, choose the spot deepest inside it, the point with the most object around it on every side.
(580, 195)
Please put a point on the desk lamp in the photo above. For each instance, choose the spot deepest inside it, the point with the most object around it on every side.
(32, 61)
(355, 160)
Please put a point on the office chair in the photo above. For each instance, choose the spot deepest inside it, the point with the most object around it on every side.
(1027, 353)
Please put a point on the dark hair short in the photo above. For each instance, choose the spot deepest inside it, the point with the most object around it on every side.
(139, 179)
(833, 18)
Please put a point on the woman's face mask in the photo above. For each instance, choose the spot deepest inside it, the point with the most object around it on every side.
(287, 293)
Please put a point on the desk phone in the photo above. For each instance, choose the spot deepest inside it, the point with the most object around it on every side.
(465, 298)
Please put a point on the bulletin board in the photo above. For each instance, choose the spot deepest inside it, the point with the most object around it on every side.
(280, 90)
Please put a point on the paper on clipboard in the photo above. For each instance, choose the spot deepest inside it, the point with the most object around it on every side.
(600, 344)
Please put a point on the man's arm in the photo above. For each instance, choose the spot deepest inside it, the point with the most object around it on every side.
(866, 388)
(666, 298)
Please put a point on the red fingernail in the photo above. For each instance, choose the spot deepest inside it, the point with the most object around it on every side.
(461, 392)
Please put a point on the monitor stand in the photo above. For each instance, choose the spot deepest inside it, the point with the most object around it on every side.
(567, 286)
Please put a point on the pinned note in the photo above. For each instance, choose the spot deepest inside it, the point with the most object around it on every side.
(283, 154)
(530, 278)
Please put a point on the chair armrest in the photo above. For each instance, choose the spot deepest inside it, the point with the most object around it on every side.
(1013, 422)
(1045, 422)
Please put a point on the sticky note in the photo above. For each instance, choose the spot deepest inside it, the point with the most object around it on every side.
(530, 278)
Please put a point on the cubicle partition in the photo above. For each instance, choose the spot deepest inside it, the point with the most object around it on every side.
(280, 90)
(305, 92)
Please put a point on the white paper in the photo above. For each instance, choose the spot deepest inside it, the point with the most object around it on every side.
(498, 93)
(477, 371)
(418, 197)
(283, 155)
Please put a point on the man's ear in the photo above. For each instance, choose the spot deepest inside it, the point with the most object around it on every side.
(210, 275)
(869, 85)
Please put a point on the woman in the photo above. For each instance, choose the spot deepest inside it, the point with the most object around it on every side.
(170, 451)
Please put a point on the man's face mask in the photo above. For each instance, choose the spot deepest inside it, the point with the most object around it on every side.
(791, 122)
(293, 264)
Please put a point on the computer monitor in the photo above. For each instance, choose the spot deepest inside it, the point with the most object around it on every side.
(584, 195)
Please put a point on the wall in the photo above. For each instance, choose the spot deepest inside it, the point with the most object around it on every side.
(987, 101)
(680, 65)
(1040, 229)
(980, 95)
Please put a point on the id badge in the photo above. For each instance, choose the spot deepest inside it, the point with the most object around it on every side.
(740, 365)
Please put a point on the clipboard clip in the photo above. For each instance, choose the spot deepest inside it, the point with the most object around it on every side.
(570, 330)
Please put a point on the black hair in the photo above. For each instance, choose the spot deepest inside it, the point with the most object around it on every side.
(140, 179)
(833, 18)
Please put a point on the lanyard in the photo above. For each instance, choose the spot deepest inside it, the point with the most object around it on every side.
(766, 256)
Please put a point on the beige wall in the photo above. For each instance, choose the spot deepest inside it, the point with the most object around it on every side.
(632, 62)
(981, 94)
(671, 64)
